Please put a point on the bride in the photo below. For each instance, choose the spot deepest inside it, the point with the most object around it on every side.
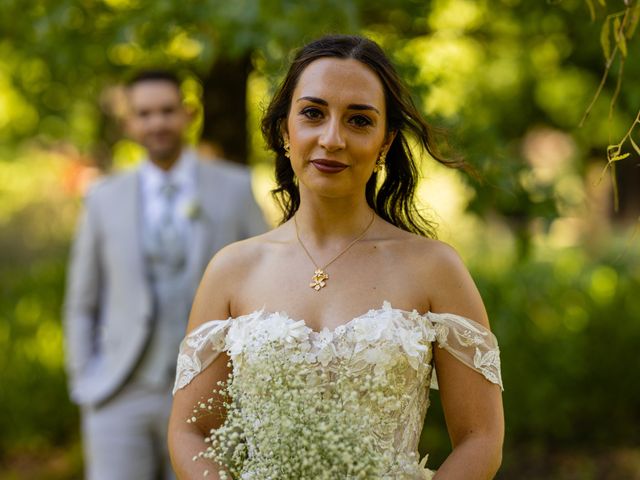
(349, 290)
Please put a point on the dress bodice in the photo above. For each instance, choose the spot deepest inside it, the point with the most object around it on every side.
(384, 355)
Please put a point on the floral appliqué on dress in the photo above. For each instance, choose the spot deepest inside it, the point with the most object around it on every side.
(390, 347)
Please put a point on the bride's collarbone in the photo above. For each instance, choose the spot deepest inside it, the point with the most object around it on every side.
(328, 308)
(351, 289)
(346, 275)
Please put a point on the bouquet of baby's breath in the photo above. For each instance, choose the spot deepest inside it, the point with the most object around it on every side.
(289, 420)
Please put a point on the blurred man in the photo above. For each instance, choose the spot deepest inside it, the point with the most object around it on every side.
(142, 245)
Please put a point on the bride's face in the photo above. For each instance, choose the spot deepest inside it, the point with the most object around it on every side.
(336, 127)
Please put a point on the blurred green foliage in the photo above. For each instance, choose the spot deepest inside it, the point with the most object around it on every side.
(490, 70)
(37, 418)
(37, 414)
(57, 57)
(568, 332)
(511, 79)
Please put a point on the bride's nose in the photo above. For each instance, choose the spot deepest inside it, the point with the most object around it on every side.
(331, 138)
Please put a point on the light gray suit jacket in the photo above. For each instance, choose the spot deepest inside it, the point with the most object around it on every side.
(108, 304)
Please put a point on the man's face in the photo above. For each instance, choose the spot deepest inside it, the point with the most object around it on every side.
(157, 118)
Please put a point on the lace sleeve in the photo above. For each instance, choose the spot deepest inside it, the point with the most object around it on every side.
(198, 350)
(468, 341)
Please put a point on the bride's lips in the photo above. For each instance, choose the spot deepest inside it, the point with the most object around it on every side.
(328, 166)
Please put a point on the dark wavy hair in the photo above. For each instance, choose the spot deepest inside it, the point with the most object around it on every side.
(393, 200)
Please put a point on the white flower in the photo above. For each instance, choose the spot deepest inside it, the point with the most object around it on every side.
(426, 473)
(377, 356)
(442, 333)
(428, 332)
(326, 354)
(297, 357)
(296, 332)
(372, 329)
(189, 367)
(412, 342)
(274, 327)
(325, 349)
(469, 339)
(239, 334)
(324, 336)
(279, 326)
(192, 209)
(488, 364)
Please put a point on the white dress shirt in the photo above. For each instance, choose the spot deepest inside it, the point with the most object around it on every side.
(182, 176)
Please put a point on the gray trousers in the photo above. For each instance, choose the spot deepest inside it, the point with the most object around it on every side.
(126, 438)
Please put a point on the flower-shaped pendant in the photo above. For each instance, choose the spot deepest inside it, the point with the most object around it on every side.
(318, 280)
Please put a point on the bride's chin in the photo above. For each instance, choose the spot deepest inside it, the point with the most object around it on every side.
(329, 190)
(330, 186)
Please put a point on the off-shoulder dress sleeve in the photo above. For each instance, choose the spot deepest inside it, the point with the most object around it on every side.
(468, 341)
(198, 350)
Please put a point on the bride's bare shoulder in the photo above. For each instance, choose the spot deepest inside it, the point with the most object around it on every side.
(416, 247)
(238, 259)
(438, 258)
(446, 278)
(425, 258)
(225, 273)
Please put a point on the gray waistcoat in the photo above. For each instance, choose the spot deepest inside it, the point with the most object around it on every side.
(171, 300)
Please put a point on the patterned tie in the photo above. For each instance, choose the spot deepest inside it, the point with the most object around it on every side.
(170, 238)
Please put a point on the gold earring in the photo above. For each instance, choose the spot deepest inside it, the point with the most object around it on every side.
(380, 162)
(287, 148)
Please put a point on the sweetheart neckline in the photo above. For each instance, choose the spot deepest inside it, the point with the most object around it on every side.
(466, 333)
(386, 307)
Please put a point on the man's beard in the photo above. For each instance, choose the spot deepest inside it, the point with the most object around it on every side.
(165, 154)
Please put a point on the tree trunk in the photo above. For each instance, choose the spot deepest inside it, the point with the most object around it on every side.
(224, 100)
(628, 180)
(110, 129)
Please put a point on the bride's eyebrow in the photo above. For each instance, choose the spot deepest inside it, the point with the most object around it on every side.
(317, 100)
(353, 106)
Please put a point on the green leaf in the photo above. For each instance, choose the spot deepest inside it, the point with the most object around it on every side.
(633, 21)
(621, 42)
(592, 10)
(603, 3)
(635, 145)
(617, 158)
(605, 42)
(613, 150)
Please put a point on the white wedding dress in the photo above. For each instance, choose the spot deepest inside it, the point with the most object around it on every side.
(388, 344)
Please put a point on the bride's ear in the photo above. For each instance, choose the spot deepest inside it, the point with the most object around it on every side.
(391, 136)
(284, 134)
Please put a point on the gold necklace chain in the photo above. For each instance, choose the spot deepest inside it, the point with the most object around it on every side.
(320, 277)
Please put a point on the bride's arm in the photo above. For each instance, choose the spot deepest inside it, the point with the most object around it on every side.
(472, 405)
(186, 440)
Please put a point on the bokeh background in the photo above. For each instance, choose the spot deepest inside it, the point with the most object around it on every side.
(549, 233)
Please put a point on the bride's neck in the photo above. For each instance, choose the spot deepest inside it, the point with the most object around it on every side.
(332, 221)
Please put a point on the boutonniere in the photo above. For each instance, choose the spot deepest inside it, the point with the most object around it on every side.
(192, 209)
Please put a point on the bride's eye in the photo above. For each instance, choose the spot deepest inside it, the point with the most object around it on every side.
(361, 121)
(311, 113)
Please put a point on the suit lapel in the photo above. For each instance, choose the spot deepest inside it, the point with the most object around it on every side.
(202, 229)
(132, 218)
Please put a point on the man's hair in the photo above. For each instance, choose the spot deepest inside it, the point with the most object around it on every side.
(153, 75)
